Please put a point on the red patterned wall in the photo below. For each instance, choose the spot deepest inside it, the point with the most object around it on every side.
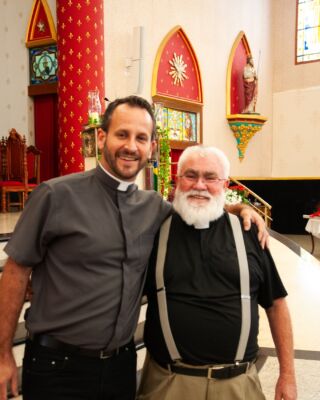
(237, 90)
(190, 90)
(81, 68)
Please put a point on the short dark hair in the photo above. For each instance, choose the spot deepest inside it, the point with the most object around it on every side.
(131, 101)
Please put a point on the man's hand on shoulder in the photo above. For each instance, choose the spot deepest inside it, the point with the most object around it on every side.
(249, 216)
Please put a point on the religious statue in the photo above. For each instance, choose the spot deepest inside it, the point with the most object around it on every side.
(250, 80)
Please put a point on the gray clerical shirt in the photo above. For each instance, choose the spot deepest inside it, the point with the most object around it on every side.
(88, 244)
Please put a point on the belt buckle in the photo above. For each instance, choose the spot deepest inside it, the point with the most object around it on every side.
(214, 368)
(239, 364)
(104, 355)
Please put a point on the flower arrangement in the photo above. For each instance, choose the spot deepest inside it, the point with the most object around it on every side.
(236, 194)
(316, 213)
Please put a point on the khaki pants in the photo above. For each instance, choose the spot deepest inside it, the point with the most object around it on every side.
(159, 384)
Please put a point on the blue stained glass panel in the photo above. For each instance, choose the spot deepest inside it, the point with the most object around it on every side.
(182, 125)
(308, 31)
(43, 65)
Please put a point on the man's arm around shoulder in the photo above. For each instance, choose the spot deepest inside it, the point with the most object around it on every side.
(13, 284)
(249, 215)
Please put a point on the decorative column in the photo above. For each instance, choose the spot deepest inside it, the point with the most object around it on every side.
(81, 69)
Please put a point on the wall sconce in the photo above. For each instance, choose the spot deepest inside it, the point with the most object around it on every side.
(134, 64)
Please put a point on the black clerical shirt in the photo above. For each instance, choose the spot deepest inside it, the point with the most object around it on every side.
(203, 293)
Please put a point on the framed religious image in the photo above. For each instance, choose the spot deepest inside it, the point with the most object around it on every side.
(43, 65)
(182, 125)
(89, 143)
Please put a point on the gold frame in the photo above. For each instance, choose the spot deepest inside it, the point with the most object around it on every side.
(241, 37)
(33, 17)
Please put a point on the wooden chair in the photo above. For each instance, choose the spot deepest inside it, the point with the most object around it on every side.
(16, 174)
(3, 159)
(33, 165)
(33, 173)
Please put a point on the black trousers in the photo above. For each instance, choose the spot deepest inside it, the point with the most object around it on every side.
(50, 374)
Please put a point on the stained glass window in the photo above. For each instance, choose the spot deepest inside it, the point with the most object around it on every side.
(308, 31)
(182, 125)
(43, 65)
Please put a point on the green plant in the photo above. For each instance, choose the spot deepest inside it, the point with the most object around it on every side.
(164, 168)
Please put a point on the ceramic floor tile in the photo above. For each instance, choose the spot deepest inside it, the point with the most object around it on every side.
(308, 378)
(8, 221)
(301, 277)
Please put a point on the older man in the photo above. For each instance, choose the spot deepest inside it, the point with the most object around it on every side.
(202, 320)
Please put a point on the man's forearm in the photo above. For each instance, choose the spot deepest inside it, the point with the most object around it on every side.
(235, 208)
(13, 286)
(280, 325)
(281, 329)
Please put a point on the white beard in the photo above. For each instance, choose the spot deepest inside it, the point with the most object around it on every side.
(198, 215)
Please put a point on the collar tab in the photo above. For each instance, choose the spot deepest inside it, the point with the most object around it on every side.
(122, 185)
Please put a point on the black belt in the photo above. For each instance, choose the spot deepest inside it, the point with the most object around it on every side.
(216, 371)
(52, 343)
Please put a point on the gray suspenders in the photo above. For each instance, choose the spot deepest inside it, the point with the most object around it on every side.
(244, 289)
(161, 291)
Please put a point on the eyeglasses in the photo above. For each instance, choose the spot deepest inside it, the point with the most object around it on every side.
(207, 178)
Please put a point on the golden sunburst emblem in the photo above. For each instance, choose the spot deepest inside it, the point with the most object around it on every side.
(178, 70)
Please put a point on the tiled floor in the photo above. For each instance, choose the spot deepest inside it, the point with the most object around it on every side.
(301, 276)
(305, 242)
(8, 221)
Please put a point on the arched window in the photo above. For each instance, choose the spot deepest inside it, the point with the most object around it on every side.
(308, 31)
(177, 95)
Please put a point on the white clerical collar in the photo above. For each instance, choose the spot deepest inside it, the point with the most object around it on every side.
(205, 225)
(123, 185)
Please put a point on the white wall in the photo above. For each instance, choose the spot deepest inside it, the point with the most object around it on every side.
(211, 26)
(297, 133)
(288, 94)
(296, 99)
(16, 108)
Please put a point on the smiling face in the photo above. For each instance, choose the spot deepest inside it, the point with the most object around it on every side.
(199, 196)
(127, 145)
(207, 168)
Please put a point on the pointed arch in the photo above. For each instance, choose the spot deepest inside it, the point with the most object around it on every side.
(237, 60)
(177, 94)
(244, 126)
(176, 48)
(41, 30)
